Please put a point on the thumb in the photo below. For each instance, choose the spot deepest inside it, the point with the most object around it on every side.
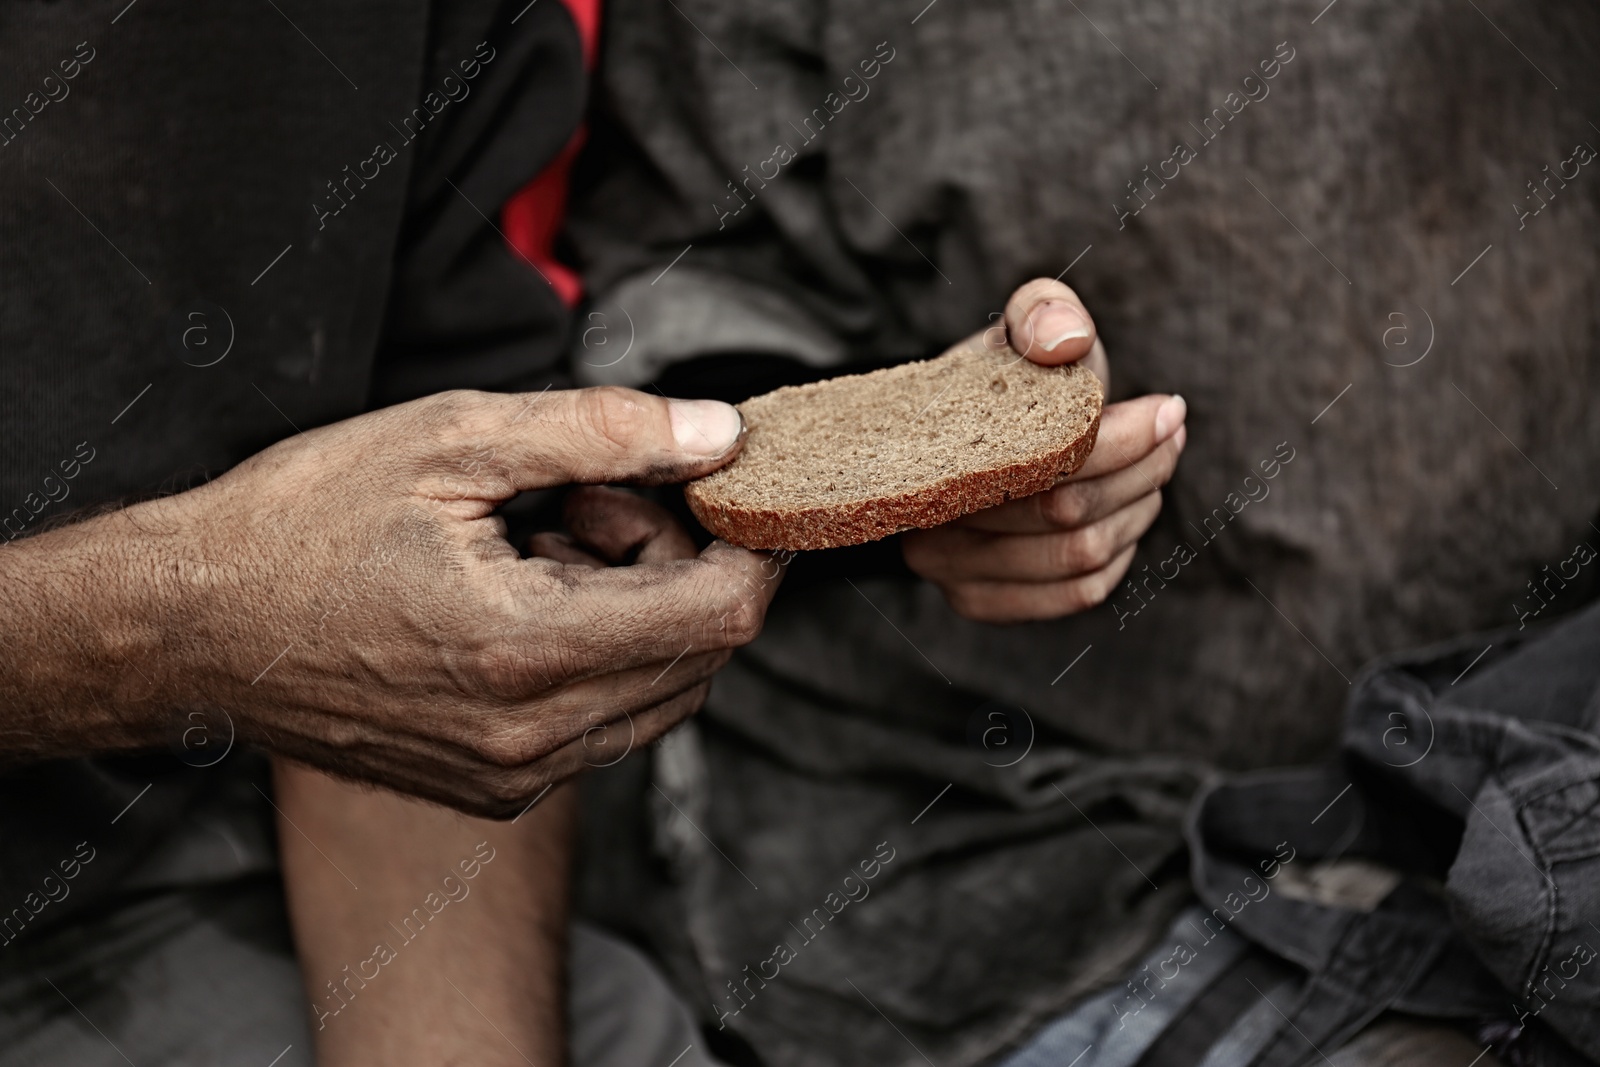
(1047, 323)
(606, 434)
(623, 528)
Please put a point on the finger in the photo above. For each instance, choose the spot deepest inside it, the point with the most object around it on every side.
(1048, 324)
(532, 730)
(629, 734)
(510, 790)
(652, 723)
(624, 528)
(588, 436)
(1074, 504)
(458, 778)
(1002, 602)
(1097, 362)
(455, 779)
(560, 547)
(1047, 557)
(1130, 431)
(582, 623)
(503, 731)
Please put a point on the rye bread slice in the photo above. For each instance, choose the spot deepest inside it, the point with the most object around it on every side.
(856, 458)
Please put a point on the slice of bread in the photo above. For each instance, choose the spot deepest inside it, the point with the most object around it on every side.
(857, 458)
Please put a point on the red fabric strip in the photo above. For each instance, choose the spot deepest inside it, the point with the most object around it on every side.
(533, 216)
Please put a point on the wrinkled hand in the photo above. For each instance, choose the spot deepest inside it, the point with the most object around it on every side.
(349, 597)
(1063, 550)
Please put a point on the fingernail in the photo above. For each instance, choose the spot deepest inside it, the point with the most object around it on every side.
(1169, 416)
(1181, 438)
(705, 427)
(1054, 322)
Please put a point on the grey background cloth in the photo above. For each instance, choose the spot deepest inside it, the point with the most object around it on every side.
(216, 984)
(1357, 215)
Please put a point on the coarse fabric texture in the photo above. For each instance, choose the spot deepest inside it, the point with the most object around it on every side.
(245, 280)
(1443, 870)
(854, 459)
(1381, 409)
(1472, 771)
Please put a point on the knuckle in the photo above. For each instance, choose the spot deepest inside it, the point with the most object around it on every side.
(508, 790)
(1082, 595)
(612, 415)
(458, 414)
(1097, 545)
(507, 672)
(967, 602)
(1064, 505)
(1098, 589)
(443, 406)
(1100, 586)
(508, 748)
(742, 622)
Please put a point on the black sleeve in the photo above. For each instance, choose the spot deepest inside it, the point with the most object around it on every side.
(465, 309)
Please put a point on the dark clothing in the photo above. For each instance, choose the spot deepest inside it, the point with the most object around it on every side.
(225, 224)
(846, 182)
(1479, 782)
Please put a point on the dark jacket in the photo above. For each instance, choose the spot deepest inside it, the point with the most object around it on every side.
(218, 225)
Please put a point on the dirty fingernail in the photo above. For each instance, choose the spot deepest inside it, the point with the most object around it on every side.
(705, 427)
(1055, 322)
(1169, 417)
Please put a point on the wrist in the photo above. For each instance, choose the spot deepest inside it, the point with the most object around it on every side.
(89, 659)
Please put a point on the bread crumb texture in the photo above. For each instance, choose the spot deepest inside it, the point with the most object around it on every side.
(857, 458)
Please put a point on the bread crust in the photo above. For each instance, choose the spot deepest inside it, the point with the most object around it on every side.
(839, 525)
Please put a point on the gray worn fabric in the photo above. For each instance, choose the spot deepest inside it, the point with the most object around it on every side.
(191, 965)
(1472, 770)
(206, 977)
(1318, 282)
